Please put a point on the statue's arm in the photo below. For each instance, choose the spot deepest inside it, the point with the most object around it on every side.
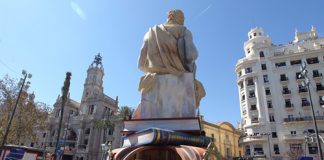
(143, 55)
(190, 48)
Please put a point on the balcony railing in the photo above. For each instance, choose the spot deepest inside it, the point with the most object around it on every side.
(317, 75)
(286, 92)
(304, 104)
(305, 118)
(255, 121)
(321, 102)
(299, 77)
(289, 105)
(284, 79)
(302, 90)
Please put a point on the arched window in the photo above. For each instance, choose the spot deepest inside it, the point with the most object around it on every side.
(261, 54)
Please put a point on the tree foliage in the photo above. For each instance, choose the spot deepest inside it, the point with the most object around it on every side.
(30, 116)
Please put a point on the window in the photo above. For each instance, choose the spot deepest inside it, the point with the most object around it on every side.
(247, 150)
(265, 78)
(290, 116)
(271, 119)
(299, 76)
(296, 147)
(110, 132)
(253, 107)
(301, 89)
(44, 135)
(248, 70)
(316, 74)
(248, 50)
(87, 131)
(274, 135)
(261, 54)
(53, 133)
(250, 82)
(283, 77)
(319, 87)
(90, 109)
(254, 34)
(276, 149)
(295, 62)
(293, 133)
(258, 150)
(243, 98)
(251, 94)
(267, 91)
(305, 102)
(255, 120)
(312, 148)
(239, 74)
(85, 142)
(321, 100)
(241, 85)
(280, 64)
(263, 66)
(312, 60)
(269, 104)
(285, 90)
(288, 103)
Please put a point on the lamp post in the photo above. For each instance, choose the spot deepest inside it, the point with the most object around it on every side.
(306, 83)
(268, 135)
(26, 75)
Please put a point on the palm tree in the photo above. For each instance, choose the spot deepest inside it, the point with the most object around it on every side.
(125, 112)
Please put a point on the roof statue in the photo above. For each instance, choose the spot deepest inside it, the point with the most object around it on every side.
(97, 60)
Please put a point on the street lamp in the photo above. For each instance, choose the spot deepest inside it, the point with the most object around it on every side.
(22, 82)
(306, 83)
(268, 135)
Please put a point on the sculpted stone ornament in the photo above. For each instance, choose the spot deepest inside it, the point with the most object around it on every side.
(169, 88)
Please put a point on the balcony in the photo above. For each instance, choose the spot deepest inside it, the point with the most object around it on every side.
(248, 139)
(293, 137)
(320, 89)
(254, 121)
(284, 80)
(302, 119)
(286, 93)
(321, 102)
(305, 105)
(317, 75)
(289, 106)
(299, 78)
(302, 91)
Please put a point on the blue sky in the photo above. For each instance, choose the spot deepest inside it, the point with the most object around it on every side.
(48, 38)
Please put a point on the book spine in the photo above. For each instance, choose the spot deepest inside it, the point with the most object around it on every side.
(177, 138)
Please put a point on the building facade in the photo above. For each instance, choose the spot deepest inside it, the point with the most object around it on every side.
(226, 138)
(82, 131)
(275, 106)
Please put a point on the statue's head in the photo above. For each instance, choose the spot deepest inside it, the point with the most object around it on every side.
(175, 16)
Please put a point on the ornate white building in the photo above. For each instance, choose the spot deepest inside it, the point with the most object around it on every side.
(275, 107)
(82, 130)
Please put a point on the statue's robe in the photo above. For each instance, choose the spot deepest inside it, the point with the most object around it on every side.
(168, 88)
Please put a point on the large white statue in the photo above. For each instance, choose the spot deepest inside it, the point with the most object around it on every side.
(169, 88)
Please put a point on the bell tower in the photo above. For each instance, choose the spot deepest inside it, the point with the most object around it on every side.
(93, 83)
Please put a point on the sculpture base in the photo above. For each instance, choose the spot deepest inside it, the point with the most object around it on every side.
(171, 96)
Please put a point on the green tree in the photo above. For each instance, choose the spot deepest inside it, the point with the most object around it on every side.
(30, 116)
(125, 112)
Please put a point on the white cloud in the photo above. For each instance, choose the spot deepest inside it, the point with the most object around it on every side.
(77, 9)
